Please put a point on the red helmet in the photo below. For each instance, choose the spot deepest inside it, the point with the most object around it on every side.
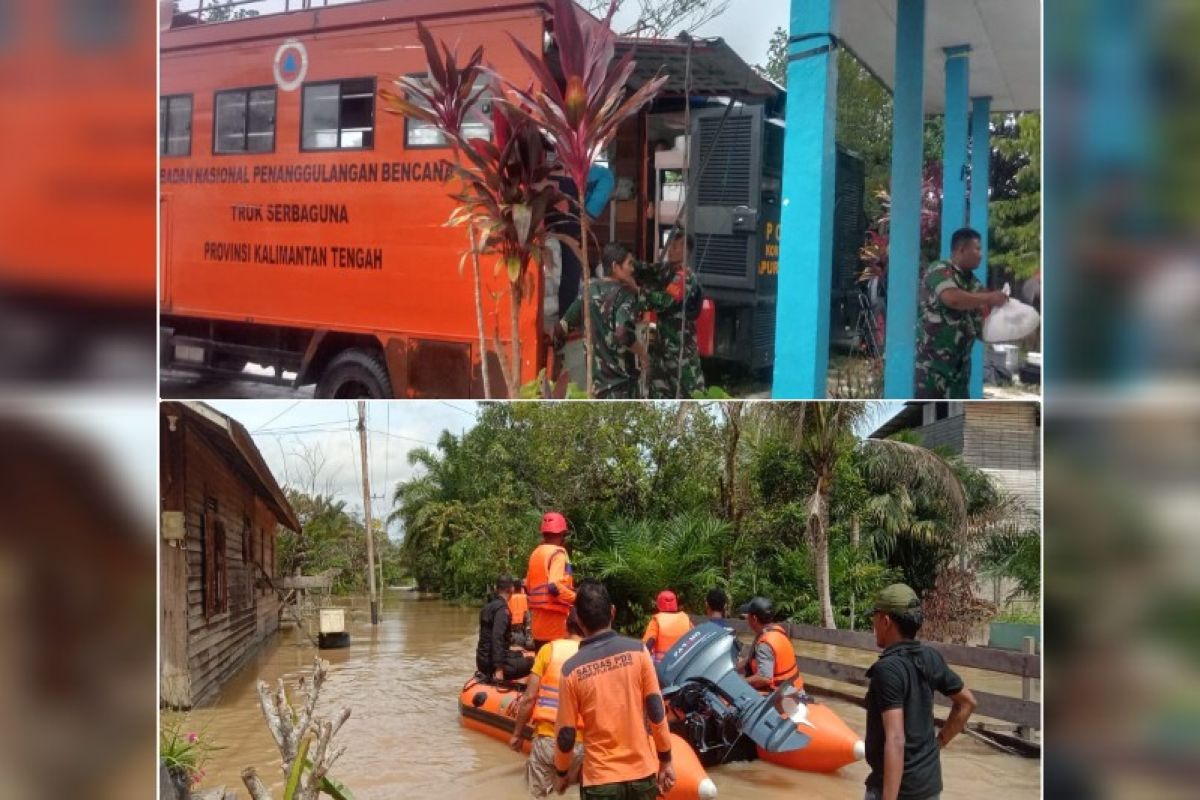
(667, 601)
(553, 522)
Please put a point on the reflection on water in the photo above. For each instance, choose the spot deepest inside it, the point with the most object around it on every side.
(402, 679)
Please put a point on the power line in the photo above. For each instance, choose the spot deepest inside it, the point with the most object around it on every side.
(459, 410)
(402, 436)
(277, 416)
(305, 426)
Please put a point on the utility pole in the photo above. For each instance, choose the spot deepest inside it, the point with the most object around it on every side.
(362, 442)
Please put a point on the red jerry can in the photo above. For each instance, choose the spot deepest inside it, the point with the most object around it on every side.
(706, 327)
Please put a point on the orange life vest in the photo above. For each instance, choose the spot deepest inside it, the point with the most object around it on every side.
(543, 595)
(545, 709)
(671, 626)
(518, 605)
(785, 657)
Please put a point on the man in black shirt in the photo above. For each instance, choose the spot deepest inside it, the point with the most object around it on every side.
(902, 745)
(493, 658)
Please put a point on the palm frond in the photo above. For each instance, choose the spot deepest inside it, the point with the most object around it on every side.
(889, 463)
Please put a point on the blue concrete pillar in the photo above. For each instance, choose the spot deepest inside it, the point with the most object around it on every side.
(806, 216)
(981, 172)
(954, 153)
(904, 248)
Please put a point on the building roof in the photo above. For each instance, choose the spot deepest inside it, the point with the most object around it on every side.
(716, 70)
(906, 418)
(233, 442)
(1004, 36)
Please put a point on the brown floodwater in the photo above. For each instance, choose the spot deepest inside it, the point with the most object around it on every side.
(401, 680)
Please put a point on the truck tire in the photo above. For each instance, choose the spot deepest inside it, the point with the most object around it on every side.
(354, 374)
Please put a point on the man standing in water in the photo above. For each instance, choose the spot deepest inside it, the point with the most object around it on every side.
(610, 687)
(540, 702)
(952, 319)
(902, 744)
(549, 583)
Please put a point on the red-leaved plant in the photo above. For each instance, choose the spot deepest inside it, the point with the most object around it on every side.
(581, 114)
(504, 190)
(506, 195)
(448, 96)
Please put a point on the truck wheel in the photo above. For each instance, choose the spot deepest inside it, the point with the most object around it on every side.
(354, 374)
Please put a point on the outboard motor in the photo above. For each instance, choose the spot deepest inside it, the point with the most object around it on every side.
(714, 705)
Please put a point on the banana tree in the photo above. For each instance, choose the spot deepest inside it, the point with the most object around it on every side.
(581, 113)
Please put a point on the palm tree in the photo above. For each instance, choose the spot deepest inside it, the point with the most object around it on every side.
(819, 436)
(637, 559)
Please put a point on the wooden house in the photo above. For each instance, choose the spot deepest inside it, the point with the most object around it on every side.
(221, 510)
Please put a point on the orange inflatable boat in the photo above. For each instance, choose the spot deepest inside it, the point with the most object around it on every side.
(831, 745)
(487, 708)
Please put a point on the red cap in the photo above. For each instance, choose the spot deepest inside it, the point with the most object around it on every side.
(667, 601)
(554, 522)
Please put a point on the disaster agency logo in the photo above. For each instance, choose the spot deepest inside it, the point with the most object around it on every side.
(291, 65)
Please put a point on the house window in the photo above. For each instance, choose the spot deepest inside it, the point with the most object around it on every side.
(478, 124)
(339, 115)
(941, 411)
(244, 121)
(175, 125)
(216, 591)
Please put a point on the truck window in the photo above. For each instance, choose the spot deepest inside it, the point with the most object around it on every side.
(478, 125)
(245, 121)
(338, 115)
(175, 125)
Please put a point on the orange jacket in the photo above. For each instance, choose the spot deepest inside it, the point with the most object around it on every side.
(664, 631)
(551, 591)
(603, 686)
(518, 605)
(785, 657)
(545, 708)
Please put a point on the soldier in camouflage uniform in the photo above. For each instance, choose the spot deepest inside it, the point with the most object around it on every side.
(614, 311)
(668, 290)
(952, 311)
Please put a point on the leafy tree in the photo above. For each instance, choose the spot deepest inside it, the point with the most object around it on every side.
(864, 115)
(1016, 205)
(777, 499)
(1016, 556)
(798, 473)
(637, 559)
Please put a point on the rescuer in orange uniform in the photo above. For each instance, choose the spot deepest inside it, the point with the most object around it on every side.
(610, 688)
(666, 626)
(518, 610)
(771, 659)
(549, 583)
(540, 702)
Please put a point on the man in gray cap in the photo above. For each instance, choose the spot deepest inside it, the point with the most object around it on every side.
(770, 660)
(902, 743)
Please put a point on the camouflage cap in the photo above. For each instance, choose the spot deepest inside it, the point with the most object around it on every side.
(898, 598)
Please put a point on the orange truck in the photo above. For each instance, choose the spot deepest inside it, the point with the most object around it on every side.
(77, 276)
(303, 227)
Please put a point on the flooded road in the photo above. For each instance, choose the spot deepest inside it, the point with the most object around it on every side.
(402, 678)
